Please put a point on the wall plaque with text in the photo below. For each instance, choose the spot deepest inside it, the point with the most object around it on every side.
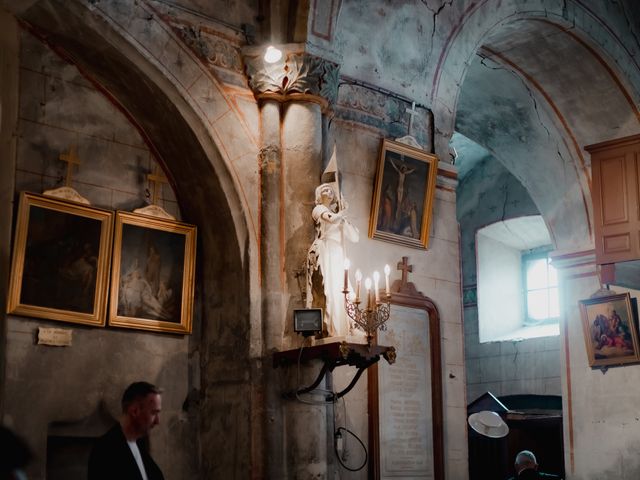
(406, 445)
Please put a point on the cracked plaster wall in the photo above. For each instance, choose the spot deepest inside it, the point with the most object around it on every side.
(503, 114)
(434, 42)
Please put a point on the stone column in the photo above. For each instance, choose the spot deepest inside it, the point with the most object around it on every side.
(9, 64)
(292, 94)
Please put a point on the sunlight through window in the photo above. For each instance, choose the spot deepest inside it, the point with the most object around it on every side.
(541, 280)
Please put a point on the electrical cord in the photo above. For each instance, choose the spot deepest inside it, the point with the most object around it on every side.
(335, 449)
(337, 436)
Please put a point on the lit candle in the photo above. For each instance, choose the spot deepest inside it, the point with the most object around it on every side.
(347, 264)
(367, 286)
(376, 279)
(358, 284)
(387, 271)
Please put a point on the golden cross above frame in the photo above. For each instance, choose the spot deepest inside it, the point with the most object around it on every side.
(157, 179)
(71, 158)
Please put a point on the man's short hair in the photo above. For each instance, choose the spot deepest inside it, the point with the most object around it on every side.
(525, 458)
(137, 390)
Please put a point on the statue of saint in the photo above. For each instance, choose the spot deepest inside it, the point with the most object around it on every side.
(327, 253)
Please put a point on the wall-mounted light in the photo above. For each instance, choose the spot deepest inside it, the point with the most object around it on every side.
(272, 54)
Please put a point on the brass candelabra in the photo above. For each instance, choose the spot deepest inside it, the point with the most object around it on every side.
(375, 314)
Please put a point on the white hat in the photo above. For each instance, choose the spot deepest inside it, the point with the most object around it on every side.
(489, 424)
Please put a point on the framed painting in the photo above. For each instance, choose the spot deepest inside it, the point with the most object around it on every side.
(403, 195)
(153, 271)
(61, 260)
(610, 330)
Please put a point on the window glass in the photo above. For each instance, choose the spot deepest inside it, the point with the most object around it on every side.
(537, 274)
(541, 289)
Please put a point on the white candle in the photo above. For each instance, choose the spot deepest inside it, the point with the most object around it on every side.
(387, 271)
(358, 284)
(367, 286)
(376, 279)
(347, 264)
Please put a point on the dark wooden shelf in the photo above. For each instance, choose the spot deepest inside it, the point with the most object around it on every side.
(334, 355)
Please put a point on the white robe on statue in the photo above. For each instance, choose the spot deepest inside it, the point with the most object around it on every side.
(329, 249)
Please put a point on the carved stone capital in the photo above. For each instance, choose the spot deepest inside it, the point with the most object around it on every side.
(297, 76)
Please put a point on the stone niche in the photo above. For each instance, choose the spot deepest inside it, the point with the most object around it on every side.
(69, 444)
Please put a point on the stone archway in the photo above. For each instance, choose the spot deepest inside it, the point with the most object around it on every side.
(535, 121)
(205, 150)
(566, 206)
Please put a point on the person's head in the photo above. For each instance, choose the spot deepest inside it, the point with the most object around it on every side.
(525, 460)
(324, 194)
(141, 406)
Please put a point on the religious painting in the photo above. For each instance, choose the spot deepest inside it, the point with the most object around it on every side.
(403, 195)
(610, 330)
(153, 268)
(405, 399)
(61, 260)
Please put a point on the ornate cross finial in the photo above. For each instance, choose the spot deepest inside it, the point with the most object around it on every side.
(71, 158)
(157, 178)
(412, 113)
(406, 268)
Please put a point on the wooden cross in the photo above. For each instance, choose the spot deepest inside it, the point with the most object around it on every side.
(156, 178)
(412, 112)
(406, 268)
(71, 159)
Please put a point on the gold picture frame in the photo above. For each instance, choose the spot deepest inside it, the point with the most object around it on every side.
(403, 195)
(153, 270)
(610, 331)
(61, 261)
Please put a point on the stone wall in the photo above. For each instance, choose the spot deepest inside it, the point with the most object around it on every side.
(58, 108)
(9, 80)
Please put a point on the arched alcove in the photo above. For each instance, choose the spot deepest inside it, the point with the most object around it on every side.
(217, 358)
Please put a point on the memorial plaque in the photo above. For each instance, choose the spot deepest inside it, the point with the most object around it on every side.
(56, 337)
(404, 398)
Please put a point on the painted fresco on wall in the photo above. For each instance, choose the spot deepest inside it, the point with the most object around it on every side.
(403, 195)
(153, 274)
(609, 330)
(60, 260)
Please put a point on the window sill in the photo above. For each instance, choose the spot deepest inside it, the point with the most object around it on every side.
(525, 333)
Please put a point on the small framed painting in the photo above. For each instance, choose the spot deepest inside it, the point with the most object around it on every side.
(61, 260)
(152, 283)
(403, 195)
(609, 330)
